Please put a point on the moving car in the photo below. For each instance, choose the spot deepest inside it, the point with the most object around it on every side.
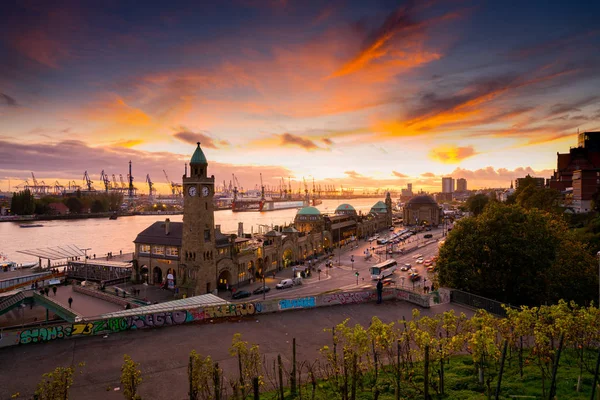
(388, 282)
(414, 277)
(260, 289)
(240, 294)
(405, 267)
(284, 284)
(428, 236)
(420, 260)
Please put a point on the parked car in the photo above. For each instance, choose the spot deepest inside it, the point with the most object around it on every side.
(260, 290)
(240, 294)
(420, 260)
(428, 236)
(431, 268)
(284, 284)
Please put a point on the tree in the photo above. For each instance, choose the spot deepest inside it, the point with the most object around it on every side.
(75, 205)
(477, 203)
(55, 385)
(528, 195)
(131, 378)
(517, 256)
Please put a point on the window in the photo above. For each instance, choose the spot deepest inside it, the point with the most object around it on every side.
(207, 235)
(158, 250)
(172, 251)
(145, 248)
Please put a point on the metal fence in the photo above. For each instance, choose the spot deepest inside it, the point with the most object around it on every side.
(472, 300)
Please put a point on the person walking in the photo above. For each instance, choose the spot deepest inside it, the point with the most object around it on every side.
(379, 291)
(70, 301)
(54, 290)
(46, 290)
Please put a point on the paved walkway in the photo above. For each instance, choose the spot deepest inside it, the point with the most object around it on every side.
(83, 304)
(163, 353)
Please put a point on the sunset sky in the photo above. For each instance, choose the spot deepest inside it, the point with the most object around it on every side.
(360, 94)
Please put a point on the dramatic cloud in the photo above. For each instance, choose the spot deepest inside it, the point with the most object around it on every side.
(498, 177)
(562, 108)
(428, 174)
(354, 174)
(7, 100)
(327, 141)
(205, 140)
(452, 154)
(399, 174)
(287, 139)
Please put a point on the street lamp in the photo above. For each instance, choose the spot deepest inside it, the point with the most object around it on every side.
(598, 254)
(85, 262)
(356, 273)
(352, 260)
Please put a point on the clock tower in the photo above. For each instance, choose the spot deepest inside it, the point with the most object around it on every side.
(198, 252)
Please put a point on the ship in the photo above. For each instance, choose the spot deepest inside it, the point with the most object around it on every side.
(263, 203)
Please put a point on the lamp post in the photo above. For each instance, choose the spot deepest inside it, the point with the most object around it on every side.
(85, 261)
(598, 254)
(356, 274)
(264, 291)
(352, 260)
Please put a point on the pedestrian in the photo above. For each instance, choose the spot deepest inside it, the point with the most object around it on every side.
(379, 291)
(70, 301)
(54, 290)
(46, 290)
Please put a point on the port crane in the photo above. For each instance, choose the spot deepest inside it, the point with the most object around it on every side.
(151, 189)
(175, 187)
(105, 179)
(88, 181)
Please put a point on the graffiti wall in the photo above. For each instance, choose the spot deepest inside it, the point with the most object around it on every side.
(421, 300)
(179, 317)
(348, 297)
(290, 304)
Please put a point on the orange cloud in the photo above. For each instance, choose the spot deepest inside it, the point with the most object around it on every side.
(451, 154)
(117, 111)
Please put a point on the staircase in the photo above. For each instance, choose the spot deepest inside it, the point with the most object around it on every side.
(10, 302)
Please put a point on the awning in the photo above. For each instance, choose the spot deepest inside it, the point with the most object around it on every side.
(55, 253)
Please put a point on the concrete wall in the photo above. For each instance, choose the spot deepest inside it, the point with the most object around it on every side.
(101, 326)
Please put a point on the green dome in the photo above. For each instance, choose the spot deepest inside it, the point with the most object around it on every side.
(379, 207)
(198, 157)
(344, 207)
(309, 211)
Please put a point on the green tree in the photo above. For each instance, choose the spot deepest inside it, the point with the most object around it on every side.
(75, 204)
(528, 195)
(131, 378)
(55, 385)
(516, 256)
(477, 203)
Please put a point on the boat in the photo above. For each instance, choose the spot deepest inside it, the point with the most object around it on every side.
(30, 225)
(6, 266)
(265, 204)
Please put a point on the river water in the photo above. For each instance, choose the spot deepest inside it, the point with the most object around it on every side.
(103, 235)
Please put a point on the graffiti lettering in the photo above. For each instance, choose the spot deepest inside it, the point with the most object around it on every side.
(232, 310)
(348, 298)
(36, 335)
(305, 302)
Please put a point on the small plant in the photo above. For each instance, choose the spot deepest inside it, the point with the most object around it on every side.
(131, 378)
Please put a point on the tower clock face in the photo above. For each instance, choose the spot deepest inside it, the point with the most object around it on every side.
(192, 191)
(205, 191)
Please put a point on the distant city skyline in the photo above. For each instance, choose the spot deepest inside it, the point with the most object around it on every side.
(354, 94)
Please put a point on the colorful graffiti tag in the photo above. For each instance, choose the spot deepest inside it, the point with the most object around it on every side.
(305, 302)
(37, 335)
(349, 298)
(144, 321)
(232, 310)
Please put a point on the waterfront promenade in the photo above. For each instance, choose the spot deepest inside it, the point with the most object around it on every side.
(163, 353)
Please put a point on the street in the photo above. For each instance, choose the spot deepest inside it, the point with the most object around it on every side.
(342, 275)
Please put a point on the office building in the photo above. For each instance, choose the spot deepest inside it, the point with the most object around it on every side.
(447, 185)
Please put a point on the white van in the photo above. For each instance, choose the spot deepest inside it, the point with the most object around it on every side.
(284, 284)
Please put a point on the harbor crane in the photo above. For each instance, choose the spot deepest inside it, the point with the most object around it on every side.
(306, 196)
(104, 178)
(175, 187)
(88, 181)
(123, 186)
(115, 184)
(58, 188)
(151, 189)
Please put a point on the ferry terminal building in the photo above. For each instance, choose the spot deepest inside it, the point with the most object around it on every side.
(194, 257)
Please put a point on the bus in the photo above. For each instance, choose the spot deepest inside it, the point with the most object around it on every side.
(383, 269)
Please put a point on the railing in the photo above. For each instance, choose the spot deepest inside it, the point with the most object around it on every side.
(7, 303)
(27, 280)
(475, 301)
